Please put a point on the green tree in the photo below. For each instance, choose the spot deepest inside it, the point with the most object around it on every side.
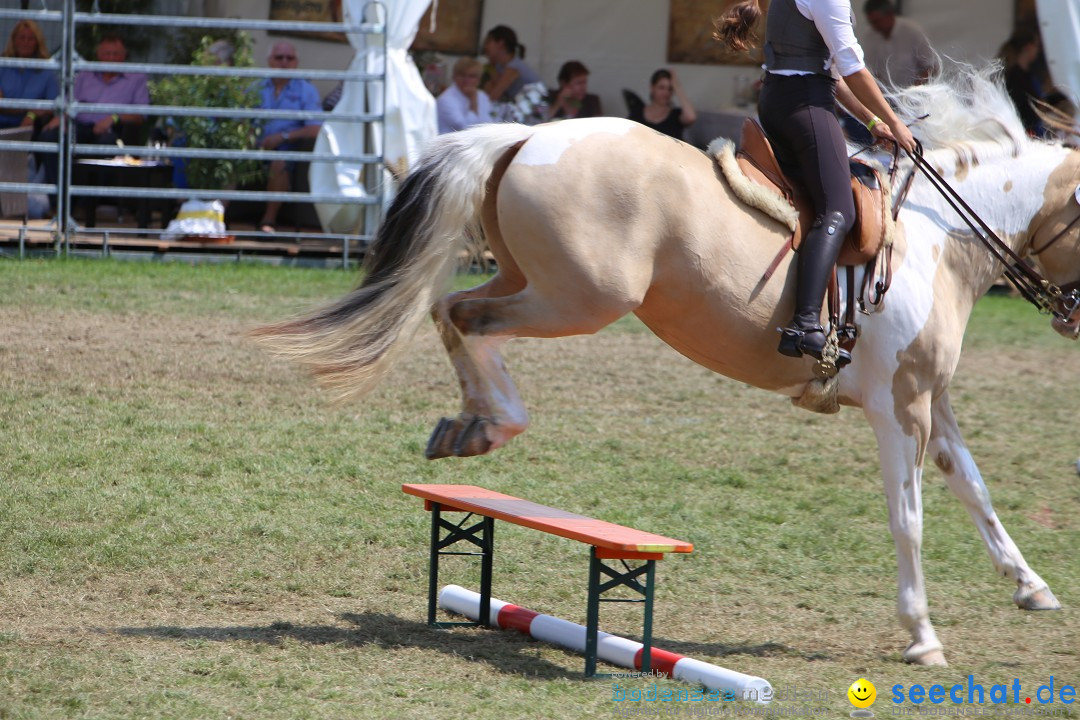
(219, 133)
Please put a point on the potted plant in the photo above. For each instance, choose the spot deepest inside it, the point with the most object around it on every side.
(205, 175)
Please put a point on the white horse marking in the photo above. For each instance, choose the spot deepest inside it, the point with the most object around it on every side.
(560, 136)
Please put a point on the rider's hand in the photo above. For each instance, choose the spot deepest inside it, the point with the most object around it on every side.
(900, 134)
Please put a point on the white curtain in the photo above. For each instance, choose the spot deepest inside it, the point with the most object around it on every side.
(409, 111)
(1059, 24)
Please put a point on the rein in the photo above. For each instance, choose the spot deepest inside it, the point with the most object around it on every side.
(1046, 296)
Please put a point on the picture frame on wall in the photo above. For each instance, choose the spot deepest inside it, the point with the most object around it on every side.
(308, 11)
(690, 34)
(457, 28)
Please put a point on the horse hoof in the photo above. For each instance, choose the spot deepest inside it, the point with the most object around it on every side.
(924, 653)
(1037, 599)
(439, 445)
(473, 439)
(463, 436)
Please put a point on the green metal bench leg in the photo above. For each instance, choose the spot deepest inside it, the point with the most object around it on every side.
(592, 612)
(646, 635)
(433, 565)
(596, 589)
(482, 534)
(488, 541)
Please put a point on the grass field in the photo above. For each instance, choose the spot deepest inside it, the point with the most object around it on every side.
(188, 529)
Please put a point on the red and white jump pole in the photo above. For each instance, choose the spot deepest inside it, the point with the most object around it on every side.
(609, 648)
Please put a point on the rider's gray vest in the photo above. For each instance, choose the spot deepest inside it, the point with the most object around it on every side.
(792, 42)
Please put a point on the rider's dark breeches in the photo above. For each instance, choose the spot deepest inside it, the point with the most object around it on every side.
(797, 113)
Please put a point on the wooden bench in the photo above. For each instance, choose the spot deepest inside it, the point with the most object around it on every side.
(607, 541)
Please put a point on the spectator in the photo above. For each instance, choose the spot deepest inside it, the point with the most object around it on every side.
(113, 88)
(285, 134)
(508, 73)
(463, 104)
(660, 114)
(898, 52)
(572, 99)
(26, 42)
(1020, 55)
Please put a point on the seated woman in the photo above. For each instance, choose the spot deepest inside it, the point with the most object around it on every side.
(28, 43)
(463, 104)
(508, 72)
(660, 114)
(572, 99)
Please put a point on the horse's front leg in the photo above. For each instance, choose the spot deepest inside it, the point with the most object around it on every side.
(902, 434)
(948, 451)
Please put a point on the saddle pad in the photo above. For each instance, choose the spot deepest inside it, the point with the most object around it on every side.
(756, 178)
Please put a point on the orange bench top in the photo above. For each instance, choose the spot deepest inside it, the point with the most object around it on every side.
(546, 519)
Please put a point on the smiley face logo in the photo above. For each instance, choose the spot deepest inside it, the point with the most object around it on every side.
(862, 693)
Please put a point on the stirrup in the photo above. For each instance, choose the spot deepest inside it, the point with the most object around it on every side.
(793, 343)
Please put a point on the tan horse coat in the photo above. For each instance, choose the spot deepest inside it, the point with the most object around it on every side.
(592, 219)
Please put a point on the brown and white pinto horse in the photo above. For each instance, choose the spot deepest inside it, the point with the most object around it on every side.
(591, 219)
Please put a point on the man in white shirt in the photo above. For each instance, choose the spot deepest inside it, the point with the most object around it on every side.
(463, 104)
(898, 53)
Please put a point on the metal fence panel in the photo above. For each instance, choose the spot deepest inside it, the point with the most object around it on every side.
(62, 22)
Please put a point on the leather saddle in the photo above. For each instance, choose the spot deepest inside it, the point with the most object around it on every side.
(758, 163)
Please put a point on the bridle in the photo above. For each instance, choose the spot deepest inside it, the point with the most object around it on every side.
(1061, 302)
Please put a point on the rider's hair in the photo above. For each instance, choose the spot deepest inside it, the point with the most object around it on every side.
(735, 27)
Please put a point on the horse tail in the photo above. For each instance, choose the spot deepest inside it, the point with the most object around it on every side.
(350, 344)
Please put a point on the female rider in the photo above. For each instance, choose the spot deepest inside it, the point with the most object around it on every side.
(812, 60)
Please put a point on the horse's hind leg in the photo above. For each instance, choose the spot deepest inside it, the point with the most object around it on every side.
(492, 412)
(473, 325)
(949, 453)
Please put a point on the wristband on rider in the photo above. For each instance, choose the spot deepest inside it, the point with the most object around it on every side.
(873, 123)
(115, 119)
(32, 115)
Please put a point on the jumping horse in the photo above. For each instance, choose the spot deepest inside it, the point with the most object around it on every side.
(591, 219)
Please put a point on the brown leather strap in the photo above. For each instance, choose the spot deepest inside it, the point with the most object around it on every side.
(880, 286)
(1057, 237)
(849, 331)
(884, 220)
(902, 195)
(784, 249)
(834, 299)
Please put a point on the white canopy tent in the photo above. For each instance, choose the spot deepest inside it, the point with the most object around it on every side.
(409, 110)
(1059, 23)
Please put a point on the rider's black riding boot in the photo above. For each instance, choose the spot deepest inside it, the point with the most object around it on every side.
(817, 257)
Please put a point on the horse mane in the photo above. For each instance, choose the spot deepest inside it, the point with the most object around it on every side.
(968, 111)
